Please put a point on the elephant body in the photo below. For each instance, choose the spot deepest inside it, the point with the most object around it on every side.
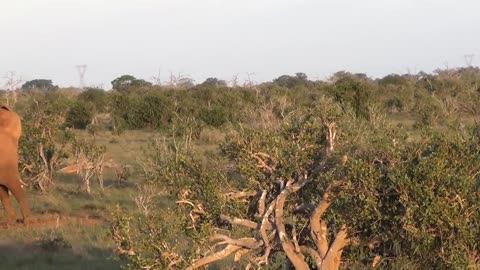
(10, 131)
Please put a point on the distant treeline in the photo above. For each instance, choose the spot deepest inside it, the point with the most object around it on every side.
(137, 104)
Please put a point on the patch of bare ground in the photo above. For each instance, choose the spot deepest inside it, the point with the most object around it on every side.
(52, 221)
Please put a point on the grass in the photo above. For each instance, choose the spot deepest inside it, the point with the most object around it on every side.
(55, 253)
(123, 149)
(82, 240)
(77, 242)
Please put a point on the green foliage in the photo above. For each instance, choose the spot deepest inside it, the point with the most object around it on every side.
(167, 239)
(415, 201)
(441, 222)
(128, 82)
(394, 104)
(40, 84)
(118, 125)
(428, 110)
(213, 83)
(406, 194)
(399, 199)
(394, 79)
(352, 92)
(97, 97)
(180, 228)
(80, 115)
(199, 187)
(214, 117)
(300, 79)
(43, 144)
(151, 110)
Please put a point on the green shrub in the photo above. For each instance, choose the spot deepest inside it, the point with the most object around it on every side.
(43, 145)
(394, 104)
(215, 117)
(352, 92)
(152, 110)
(97, 97)
(80, 115)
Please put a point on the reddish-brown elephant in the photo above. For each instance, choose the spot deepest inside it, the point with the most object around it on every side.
(10, 131)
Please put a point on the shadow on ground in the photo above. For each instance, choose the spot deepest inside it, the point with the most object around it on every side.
(53, 254)
(53, 241)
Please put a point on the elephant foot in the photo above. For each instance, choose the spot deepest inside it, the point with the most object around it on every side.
(24, 221)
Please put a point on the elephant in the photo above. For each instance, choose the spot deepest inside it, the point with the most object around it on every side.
(10, 132)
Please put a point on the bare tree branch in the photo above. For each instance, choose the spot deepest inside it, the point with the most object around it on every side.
(229, 249)
(246, 242)
(240, 194)
(239, 221)
(263, 232)
(261, 204)
(262, 164)
(297, 259)
(314, 254)
(242, 245)
(295, 239)
(240, 253)
(334, 254)
(318, 228)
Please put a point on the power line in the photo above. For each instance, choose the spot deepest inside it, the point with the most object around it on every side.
(81, 69)
(469, 59)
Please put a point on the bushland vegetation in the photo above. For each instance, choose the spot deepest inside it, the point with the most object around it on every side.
(351, 172)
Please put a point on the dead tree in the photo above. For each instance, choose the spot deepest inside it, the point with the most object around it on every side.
(89, 163)
(11, 85)
(269, 231)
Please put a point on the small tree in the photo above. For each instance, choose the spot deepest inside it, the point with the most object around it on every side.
(43, 145)
(214, 82)
(349, 91)
(97, 97)
(300, 79)
(126, 82)
(215, 117)
(79, 115)
(40, 84)
(89, 162)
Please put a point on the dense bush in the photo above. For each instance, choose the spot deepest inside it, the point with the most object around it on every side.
(352, 92)
(97, 97)
(214, 117)
(402, 202)
(80, 115)
(39, 84)
(43, 144)
(126, 83)
(394, 104)
(151, 110)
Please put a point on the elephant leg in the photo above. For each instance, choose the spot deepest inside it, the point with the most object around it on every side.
(21, 197)
(7, 204)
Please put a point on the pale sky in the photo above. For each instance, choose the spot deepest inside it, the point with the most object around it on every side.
(213, 38)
